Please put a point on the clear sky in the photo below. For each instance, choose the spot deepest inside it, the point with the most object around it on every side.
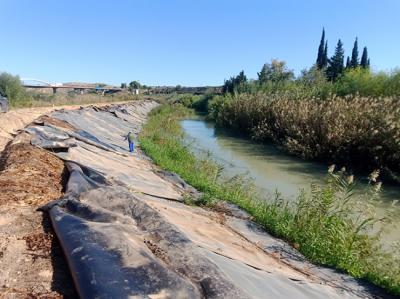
(185, 42)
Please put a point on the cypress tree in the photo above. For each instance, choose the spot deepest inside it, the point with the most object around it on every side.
(335, 68)
(325, 56)
(354, 55)
(364, 58)
(320, 57)
(348, 62)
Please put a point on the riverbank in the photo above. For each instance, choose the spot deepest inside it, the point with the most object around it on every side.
(328, 238)
(272, 169)
(124, 227)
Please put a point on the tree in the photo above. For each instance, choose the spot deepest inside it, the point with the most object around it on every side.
(364, 63)
(134, 85)
(11, 87)
(241, 78)
(348, 62)
(335, 68)
(234, 83)
(354, 55)
(325, 57)
(123, 85)
(321, 51)
(276, 71)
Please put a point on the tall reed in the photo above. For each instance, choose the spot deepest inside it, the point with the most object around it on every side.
(362, 133)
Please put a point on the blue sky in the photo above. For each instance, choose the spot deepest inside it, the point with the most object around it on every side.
(190, 43)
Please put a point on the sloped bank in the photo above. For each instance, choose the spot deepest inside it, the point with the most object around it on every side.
(125, 230)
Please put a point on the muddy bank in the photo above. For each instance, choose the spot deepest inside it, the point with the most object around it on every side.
(125, 230)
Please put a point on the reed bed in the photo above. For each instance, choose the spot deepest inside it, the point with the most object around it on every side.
(361, 133)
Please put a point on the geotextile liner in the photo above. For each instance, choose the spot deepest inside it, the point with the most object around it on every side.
(125, 232)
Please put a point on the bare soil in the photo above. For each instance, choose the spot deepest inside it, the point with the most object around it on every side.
(32, 264)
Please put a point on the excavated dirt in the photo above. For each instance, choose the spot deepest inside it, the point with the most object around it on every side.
(31, 175)
(32, 264)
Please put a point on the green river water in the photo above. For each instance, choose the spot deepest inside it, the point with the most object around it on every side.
(272, 169)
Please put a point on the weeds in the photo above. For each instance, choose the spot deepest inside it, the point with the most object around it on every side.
(328, 226)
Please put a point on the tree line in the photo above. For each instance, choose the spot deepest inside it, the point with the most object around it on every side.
(328, 75)
(335, 66)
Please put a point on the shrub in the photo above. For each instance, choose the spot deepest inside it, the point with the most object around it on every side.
(11, 86)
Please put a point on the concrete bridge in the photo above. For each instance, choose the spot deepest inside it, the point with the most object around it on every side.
(40, 84)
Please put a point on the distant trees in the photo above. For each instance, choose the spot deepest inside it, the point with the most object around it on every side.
(123, 85)
(334, 66)
(326, 76)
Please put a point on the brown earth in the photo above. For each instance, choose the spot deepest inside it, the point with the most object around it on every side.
(32, 264)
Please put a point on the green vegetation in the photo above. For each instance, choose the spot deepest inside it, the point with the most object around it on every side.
(326, 225)
(322, 58)
(12, 88)
(331, 112)
(134, 85)
(336, 67)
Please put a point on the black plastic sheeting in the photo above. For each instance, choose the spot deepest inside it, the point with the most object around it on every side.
(104, 230)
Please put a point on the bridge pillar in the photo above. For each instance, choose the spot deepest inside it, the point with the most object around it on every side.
(54, 90)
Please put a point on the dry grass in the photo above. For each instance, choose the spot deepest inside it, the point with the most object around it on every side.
(37, 99)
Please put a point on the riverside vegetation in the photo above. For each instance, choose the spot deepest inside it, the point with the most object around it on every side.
(335, 113)
(332, 112)
(328, 225)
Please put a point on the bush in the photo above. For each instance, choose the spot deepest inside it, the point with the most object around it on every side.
(11, 86)
(363, 82)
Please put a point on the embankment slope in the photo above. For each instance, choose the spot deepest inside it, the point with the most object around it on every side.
(125, 230)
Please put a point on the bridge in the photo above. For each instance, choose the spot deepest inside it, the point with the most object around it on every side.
(40, 84)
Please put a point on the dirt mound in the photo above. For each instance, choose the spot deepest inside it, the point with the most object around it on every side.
(32, 264)
(30, 175)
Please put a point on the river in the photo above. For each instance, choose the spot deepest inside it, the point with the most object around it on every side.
(274, 170)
